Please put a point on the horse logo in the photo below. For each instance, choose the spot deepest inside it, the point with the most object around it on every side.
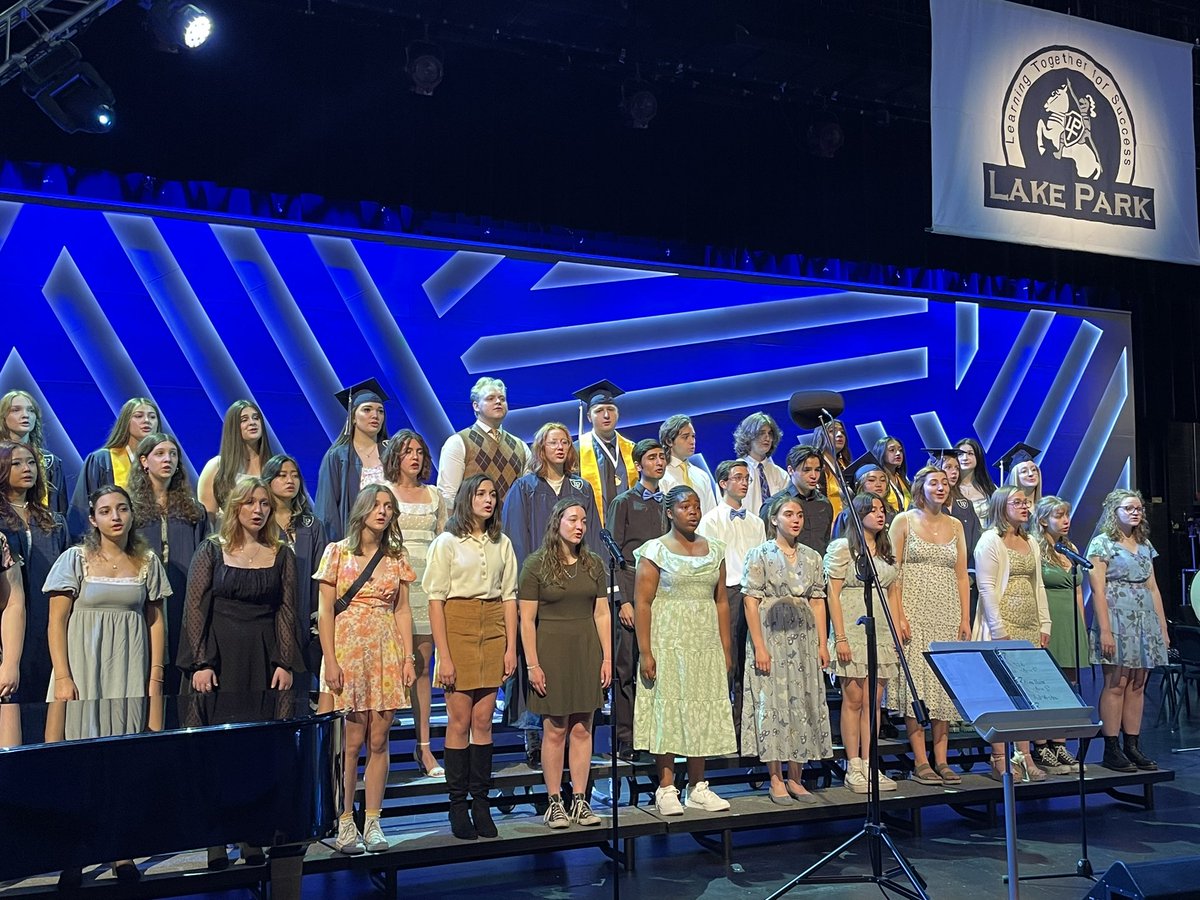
(1068, 128)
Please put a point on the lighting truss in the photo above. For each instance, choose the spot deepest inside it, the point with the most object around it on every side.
(30, 28)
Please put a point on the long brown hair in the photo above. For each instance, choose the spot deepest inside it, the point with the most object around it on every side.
(135, 547)
(392, 540)
(181, 504)
(551, 569)
(38, 514)
(462, 521)
(233, 457)
(862, 503)
(270, 535)
(119, 436)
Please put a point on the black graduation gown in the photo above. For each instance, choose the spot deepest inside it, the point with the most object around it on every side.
(337, 488)
(97, 470)
(38, 552)
(527, 508)
(309, 546)
(56, 483)
(183, 538)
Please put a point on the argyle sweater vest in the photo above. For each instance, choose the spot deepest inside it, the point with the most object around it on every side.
(500, 459)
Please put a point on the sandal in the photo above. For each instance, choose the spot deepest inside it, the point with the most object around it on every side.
(996, 769)
(947, 774)
(924, 774)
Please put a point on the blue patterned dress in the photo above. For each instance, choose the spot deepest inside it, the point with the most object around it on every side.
(686, 709)
(785, 711)
(1131, 616)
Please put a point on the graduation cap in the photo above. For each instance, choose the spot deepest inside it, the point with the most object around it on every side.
(862, 465)
(1020, 452)
(603, 391)
(369, 391)
(937, 454)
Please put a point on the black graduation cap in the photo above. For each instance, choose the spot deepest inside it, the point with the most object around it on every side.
(862, 465)
(363, 392)
(937, 454)
(603, 391)
(1019, 453)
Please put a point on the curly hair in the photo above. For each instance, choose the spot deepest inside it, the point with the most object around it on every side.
(1108, 516)
(39, 515)
(393, 456)
(181, 503)
(549, 566)
(748, 429)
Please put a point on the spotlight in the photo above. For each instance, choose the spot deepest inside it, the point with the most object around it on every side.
(70, 91)
(638, 104)
(423, 63)
(178, 25)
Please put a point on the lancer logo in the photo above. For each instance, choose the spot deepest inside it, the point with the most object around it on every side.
(1069, 144)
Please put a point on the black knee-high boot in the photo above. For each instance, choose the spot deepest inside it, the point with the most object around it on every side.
(457, 764)
(480, 784)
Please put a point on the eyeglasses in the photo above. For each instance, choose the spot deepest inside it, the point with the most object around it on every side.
(558, 443)
(1020, 504)
(738, 479)
(1132, 510)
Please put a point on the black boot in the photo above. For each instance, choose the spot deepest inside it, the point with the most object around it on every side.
(457, 765)
(1113, 757)
(1136, 756)
(480, 784)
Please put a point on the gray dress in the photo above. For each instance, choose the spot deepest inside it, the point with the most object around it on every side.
(1132, 618)
(785, 711)
(108, 640)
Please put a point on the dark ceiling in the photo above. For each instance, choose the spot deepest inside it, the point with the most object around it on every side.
(312, 96)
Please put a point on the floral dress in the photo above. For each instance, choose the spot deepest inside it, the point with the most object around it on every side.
(686, 709)
(1131, 615)
(369, 647)
(785, 710)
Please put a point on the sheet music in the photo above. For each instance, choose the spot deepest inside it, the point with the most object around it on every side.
(1040, 679)
(976, 686)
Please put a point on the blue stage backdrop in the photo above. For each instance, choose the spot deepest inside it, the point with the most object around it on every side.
(105, 303)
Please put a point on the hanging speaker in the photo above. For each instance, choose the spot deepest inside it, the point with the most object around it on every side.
(1167, 879)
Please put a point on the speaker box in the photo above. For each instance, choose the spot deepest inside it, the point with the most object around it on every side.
(1175, 879)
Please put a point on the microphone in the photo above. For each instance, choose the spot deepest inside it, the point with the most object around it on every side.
(1074, 557)
(807, 407)
(614, 551)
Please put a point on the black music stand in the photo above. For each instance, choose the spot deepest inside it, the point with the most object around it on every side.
(1010, 691)
(874, 831)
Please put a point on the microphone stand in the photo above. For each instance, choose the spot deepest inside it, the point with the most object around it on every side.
(874, 831)
(1083, 866)
(615, 561)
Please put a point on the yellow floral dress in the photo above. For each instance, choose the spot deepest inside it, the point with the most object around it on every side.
(369, 648)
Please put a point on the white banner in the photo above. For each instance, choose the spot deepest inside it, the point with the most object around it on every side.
(1060, 132)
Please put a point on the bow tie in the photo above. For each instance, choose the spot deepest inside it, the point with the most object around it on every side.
(656, 496)
(737, 514)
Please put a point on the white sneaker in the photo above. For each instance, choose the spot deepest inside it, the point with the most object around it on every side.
(885, 783)
(373, 836)
(700, 797)
(666, 801)
(348, 840)
(856, 777)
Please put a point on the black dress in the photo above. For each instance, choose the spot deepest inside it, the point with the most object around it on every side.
(175, 545)
(38, 551)
(242, 624)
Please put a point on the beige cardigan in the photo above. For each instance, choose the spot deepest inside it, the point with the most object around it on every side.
(991, 575)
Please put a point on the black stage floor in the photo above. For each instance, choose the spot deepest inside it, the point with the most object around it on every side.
(958, 856)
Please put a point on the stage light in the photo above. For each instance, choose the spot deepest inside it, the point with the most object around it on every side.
(424, 66)
(70, 91)
(177, 24)
(638, 104)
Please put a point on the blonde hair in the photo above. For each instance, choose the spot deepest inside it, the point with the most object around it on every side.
(230, 535)
(1108, 516)
(1045, 508)
(918, 485)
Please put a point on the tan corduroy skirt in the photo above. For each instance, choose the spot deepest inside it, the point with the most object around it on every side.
(475, 633)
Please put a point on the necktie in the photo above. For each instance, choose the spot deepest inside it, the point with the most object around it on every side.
(684, 470)
(656, 496)
(763, 488)
(737, 514)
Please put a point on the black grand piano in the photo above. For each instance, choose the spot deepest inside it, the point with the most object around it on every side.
(94, 781)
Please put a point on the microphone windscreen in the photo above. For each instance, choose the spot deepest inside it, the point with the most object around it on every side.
(805, 407)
